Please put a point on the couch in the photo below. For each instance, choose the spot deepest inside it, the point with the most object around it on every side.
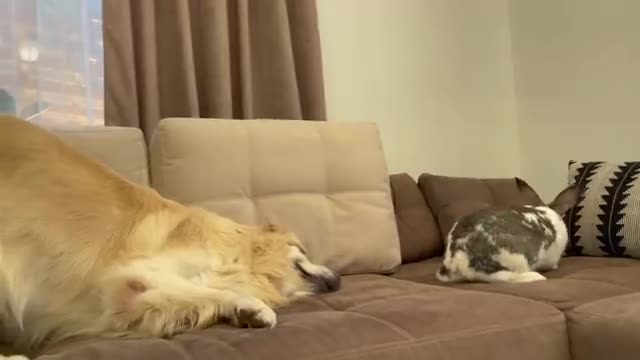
(588, 309)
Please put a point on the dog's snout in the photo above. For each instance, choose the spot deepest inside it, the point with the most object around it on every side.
(332, 281)
(326, 282)
(323, 279)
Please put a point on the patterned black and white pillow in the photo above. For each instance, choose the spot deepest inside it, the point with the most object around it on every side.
(606, 219)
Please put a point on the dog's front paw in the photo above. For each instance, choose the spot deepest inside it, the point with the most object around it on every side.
(13, 357)
(254, 313)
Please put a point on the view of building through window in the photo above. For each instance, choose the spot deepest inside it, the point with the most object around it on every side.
(51, 61)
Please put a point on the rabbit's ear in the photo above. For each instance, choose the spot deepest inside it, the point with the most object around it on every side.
(523, 185)
(567, 198)
(530, 196)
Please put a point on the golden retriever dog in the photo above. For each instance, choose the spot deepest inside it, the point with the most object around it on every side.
(85, 252)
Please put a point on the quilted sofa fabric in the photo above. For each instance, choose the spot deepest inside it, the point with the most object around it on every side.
(372, 317)
(328, 182)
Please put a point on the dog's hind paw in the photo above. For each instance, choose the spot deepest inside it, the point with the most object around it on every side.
(253, 313)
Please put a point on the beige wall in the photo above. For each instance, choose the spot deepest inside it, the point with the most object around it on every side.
(577, 68)
(436, 75)
(488, 88)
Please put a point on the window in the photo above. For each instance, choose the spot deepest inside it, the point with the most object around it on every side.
(51, 61)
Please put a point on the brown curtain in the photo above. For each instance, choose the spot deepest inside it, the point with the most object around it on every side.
(235, 59)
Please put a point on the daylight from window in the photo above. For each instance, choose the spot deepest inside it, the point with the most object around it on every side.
(51, 61)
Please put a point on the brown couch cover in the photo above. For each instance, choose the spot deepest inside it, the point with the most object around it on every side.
(409, 315)
(372, 317)
(589, 308)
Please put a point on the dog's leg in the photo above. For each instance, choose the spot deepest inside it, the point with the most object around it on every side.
(322, 277)
(13, 357)
(194, 306)
(162, 303)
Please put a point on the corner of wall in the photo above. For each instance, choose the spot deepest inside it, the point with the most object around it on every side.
(517, 118)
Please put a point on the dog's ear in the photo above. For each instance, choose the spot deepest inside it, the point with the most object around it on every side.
(274, 228)
(269, 227)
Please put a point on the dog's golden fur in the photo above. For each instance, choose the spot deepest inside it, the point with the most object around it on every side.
(85, 252)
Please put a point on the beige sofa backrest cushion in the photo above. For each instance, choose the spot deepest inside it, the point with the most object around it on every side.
(120, 148)
(326, 181)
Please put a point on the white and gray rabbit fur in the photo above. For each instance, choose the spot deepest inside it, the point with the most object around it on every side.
(512, 244)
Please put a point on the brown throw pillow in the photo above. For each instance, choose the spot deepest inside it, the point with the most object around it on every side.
(417, 226)
(450, 213)
(452, 197)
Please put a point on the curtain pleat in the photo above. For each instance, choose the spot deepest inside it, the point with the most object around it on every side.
(236, 59)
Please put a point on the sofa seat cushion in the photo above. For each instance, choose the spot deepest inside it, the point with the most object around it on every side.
(606, 329)
(328, 182)
(371, 317)
(578, 280)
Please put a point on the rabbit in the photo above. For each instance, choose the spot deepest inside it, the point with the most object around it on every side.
(511, 244)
